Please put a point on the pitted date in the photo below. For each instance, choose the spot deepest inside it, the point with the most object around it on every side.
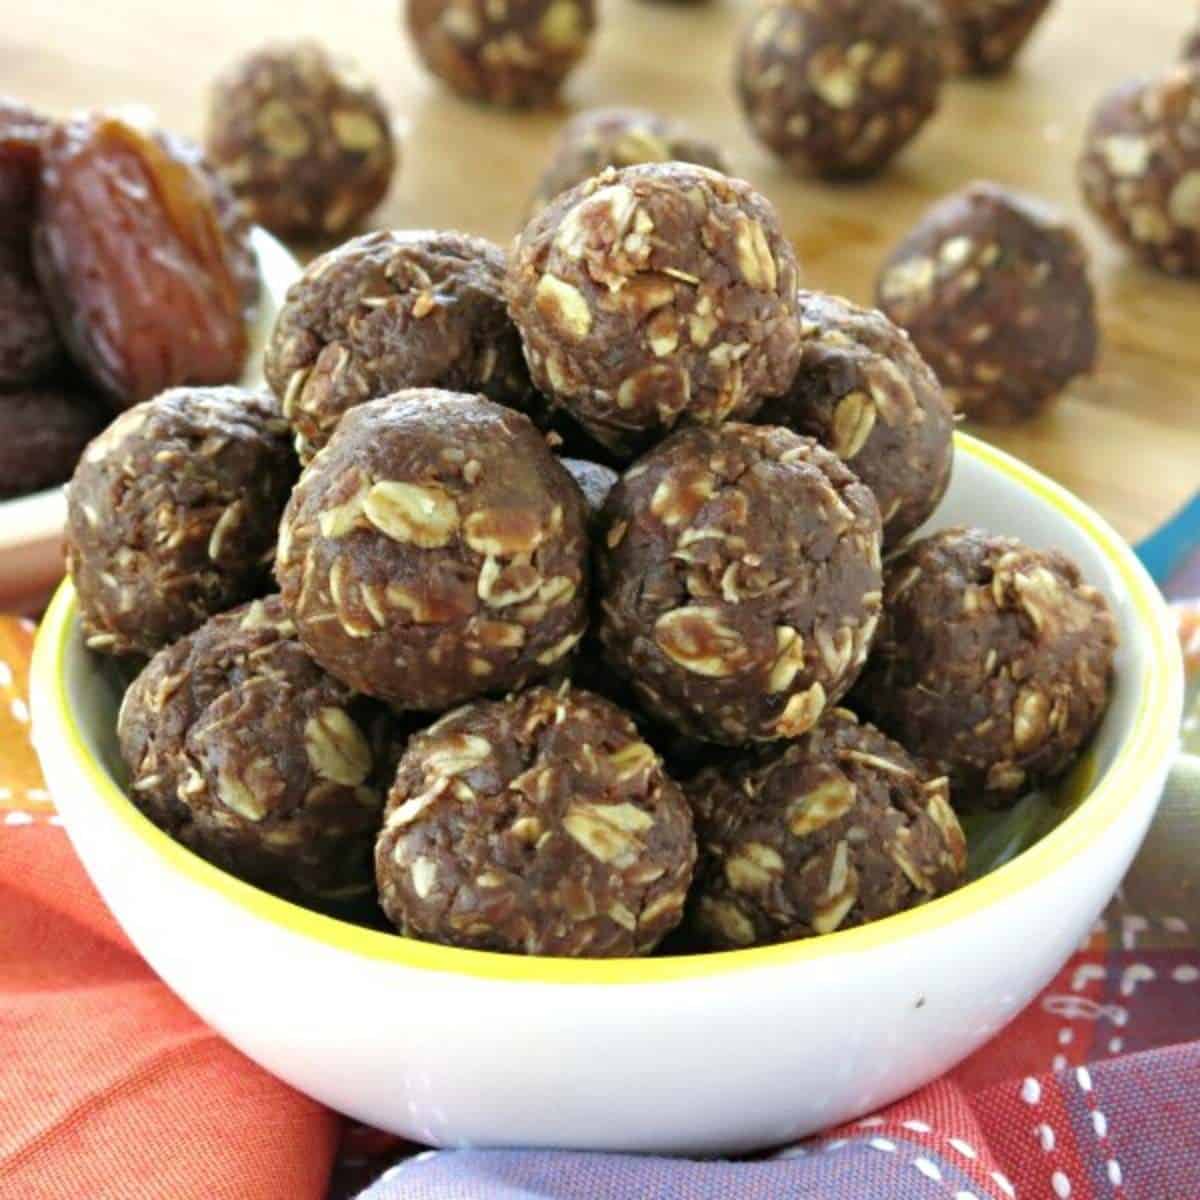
(144, 258)
(29, 347)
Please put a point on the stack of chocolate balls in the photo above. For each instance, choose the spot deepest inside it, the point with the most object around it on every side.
(489, 675)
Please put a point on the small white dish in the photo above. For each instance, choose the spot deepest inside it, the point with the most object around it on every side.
(31, 527)
(700, 1055)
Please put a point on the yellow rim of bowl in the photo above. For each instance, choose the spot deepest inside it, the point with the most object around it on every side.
(1152, 734)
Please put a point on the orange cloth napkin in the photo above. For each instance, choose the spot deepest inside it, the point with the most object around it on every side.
(110, 1088)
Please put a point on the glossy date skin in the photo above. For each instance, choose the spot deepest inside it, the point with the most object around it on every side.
(144, 258)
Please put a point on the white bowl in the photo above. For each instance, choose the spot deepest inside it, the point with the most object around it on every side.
(707, 1054)
(31, 527)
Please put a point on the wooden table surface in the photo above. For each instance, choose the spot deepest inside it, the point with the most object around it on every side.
(1127, 440)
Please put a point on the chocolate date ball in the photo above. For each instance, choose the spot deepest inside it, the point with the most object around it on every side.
(304, 141)
(389, 311)
(654, 294)
(739, 581)
(144, 256)
(837, 87)
(514, 53)
(22, 132)
(244, 750)
(619, 137)
(993, 287)
(172, 514)
(986, 35)
(839, 828)
(43, 430)
(864, 392)
(29, 344)
(993, 661)
(540, 824)
(435, 551)
(1140, 169)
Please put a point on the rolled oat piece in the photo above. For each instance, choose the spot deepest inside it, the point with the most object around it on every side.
(517, 53)
(304, 141)
(1140, 168)
(739, 581)
(172, 514)
(595, 482)
(992, 286)
(435, 551)
(395, 310)
(993, 661)
(619, 137)
(839, 828)
(244, 750)
(864, 392)
(987, 35)
(656, 294)
(837, 87)
(540, 824)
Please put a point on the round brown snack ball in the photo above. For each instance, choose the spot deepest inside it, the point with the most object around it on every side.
(29, 345)
(864, 392)
(595, 482)
(43, 431)
(389, 311)
(435, 551)
(993, 661)
(653, 294)
(21, 133)
(837, 87)
(515, 53)
(740, 581)
(304, 141)
(172, 514)
(619, 137)
(244, 750)
(1140, 168)
(993, 287)
(988, 34)
(837, 829)
(540, 824)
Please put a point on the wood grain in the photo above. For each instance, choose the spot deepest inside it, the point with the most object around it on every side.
(1127, 440)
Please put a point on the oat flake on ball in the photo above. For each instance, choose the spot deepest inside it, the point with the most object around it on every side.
(656, 294)
(739, 581)
(434, 551)
(993, 661)
(864, 392)
(393, 310)
(839, 828)
(993, 287)
(540, 824)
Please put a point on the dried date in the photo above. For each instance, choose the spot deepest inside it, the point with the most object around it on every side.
(21, 134)
(29, 346)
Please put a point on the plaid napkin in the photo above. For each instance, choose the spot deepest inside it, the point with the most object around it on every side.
(110, 1089)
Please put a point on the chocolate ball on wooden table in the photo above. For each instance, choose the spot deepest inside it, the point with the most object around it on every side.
(512, 52)
(540, 824)
(739, 581)
(986, 35)
(656, 294)
(302, 138)
(838, 828)
(43, 430)
(434, 551)
(144, 256)
(244, 750)
(837, 87)
(863, 391)
(394, 310)
(993, 287)
(993, 661)
(619, 137)
(1140, 169)
(172, 514)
